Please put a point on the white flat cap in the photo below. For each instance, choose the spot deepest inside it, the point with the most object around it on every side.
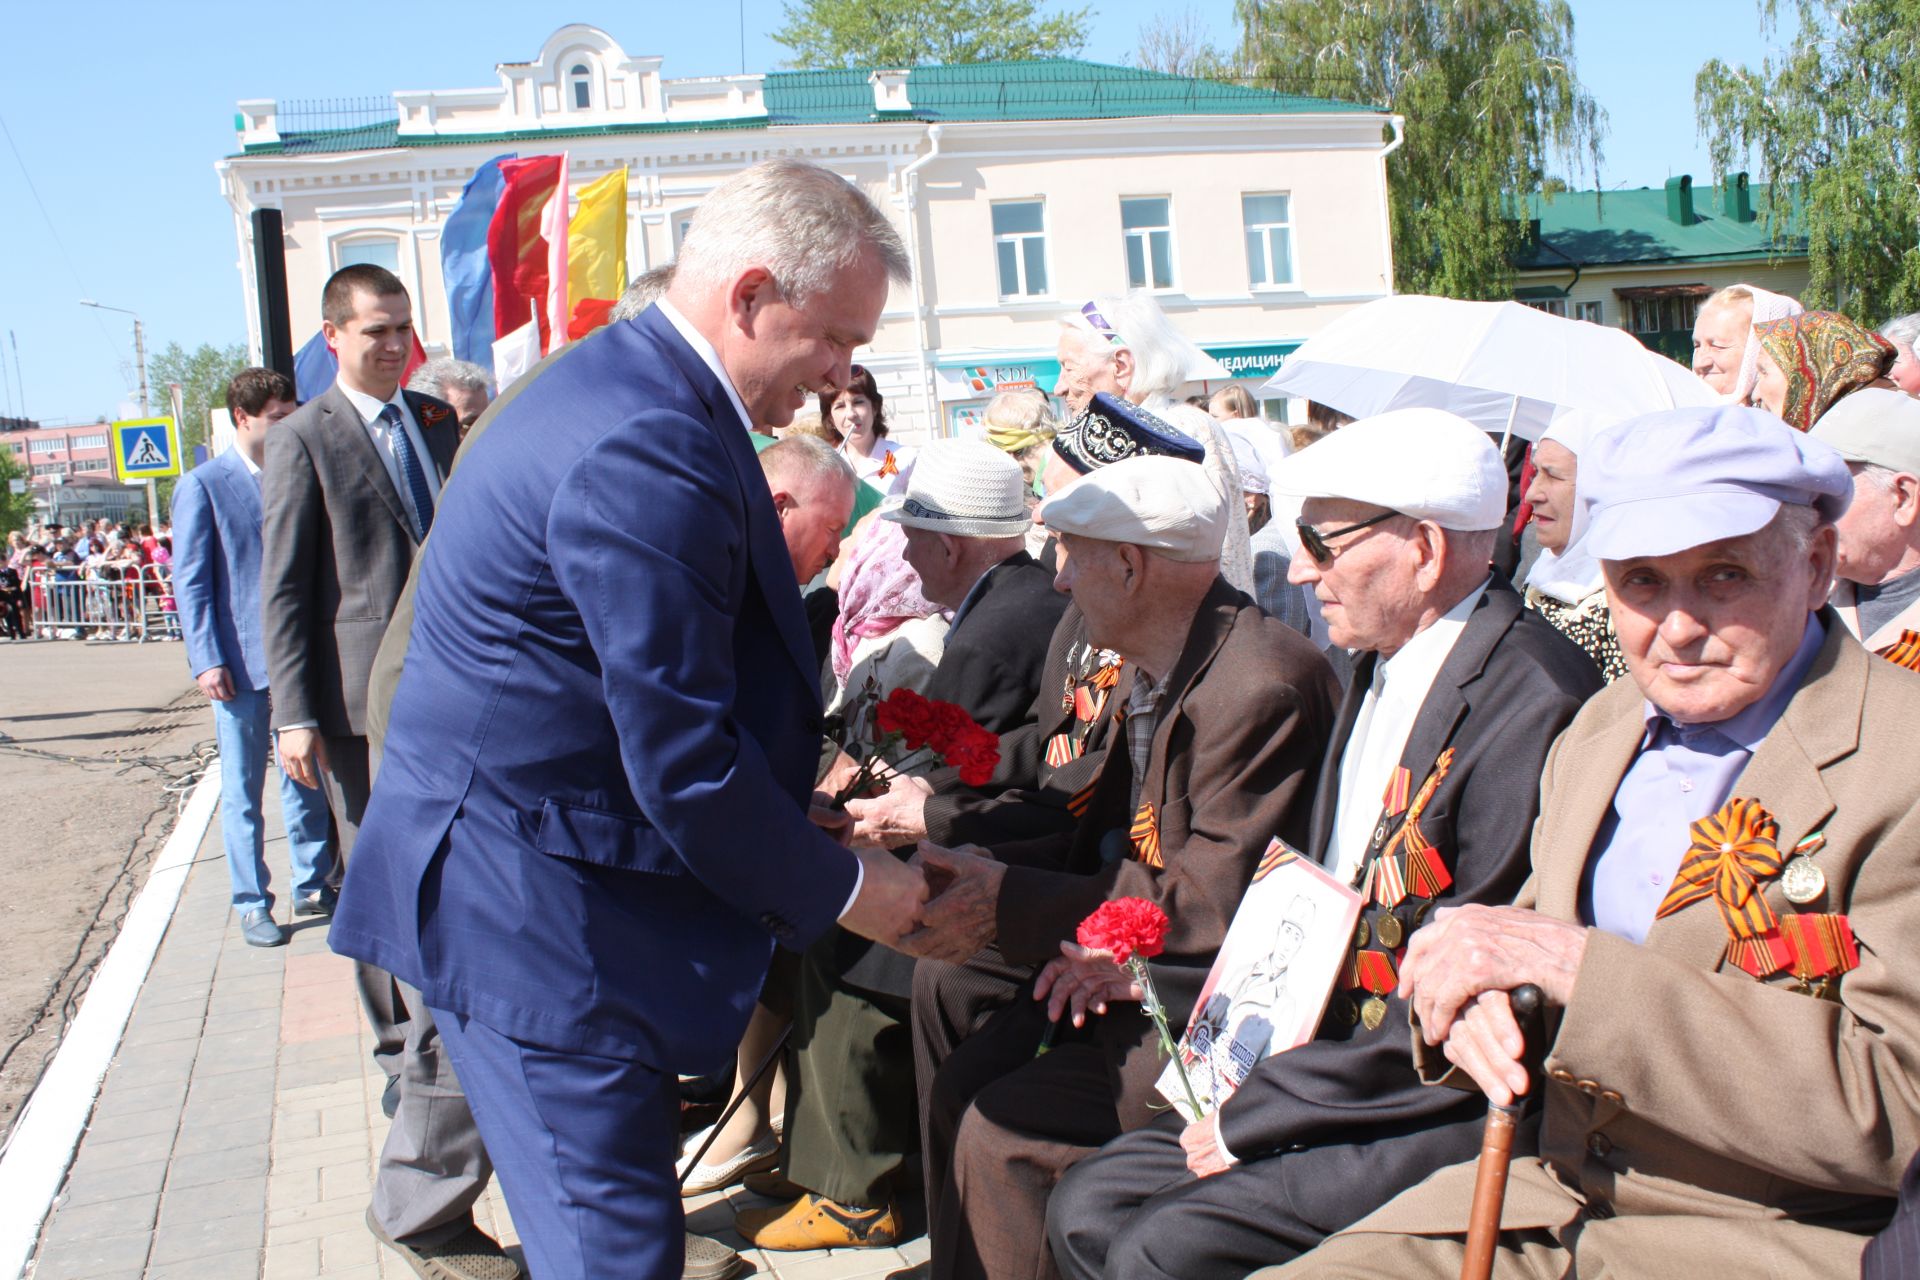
(1167, 505)
(1424, 463)
(1875, 425)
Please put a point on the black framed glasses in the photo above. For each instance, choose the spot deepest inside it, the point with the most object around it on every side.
(1316, 542)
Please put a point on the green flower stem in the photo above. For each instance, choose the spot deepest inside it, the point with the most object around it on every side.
(1158, 1012)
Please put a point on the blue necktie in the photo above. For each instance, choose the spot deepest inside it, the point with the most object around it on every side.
(410, 468)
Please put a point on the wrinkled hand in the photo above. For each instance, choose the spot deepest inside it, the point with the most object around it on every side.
(837, 823)
(303, 755)
(839, 773)
(962, 915)
(897, 818)
(889, 900)
(1457, 974)
(1201, 1141)
(1081, 980)
(216, 684)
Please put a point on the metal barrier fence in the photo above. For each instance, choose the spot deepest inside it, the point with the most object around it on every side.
(137, 607)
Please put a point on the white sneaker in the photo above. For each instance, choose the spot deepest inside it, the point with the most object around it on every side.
(761, 1155)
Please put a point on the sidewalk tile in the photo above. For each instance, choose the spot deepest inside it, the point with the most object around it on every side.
(186, 1241)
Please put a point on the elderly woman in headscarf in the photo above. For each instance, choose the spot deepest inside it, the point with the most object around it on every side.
(887, 630)
(1565, 585)
(1809, 361)
(1724, 346)
(1021, 424)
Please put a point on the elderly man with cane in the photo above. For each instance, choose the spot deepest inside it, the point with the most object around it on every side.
(1720, 911)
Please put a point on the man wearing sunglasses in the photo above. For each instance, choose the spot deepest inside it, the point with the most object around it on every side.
(1427, 797)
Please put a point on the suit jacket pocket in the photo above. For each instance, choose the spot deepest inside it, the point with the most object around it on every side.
(626, 842)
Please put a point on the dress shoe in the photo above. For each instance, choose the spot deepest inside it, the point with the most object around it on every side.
(471, 1255)
(774, 1185)
(703, 1177)
(815, 1222)
(314, 904)
(258, 928)
(710, 1260)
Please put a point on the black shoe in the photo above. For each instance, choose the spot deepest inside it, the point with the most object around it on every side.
(390, 1098)
(315, 904)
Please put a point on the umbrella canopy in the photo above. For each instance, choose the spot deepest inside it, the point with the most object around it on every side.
(1500, 365)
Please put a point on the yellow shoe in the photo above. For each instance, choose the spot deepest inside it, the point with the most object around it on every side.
(815, 1222)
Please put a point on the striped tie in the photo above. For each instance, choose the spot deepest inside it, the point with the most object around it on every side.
(410, 468)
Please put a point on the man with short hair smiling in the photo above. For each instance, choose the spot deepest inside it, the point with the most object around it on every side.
(1720, 911)
(1878, 593)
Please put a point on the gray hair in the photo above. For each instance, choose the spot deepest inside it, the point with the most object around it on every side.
(1880, 477)
(801, 223)
(435, 376)
(1161, 355)
(1025, 409)
(1793, 527)
(641, 293)
(1902, 329)
(805, 457)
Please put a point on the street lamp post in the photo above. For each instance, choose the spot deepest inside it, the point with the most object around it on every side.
(146, 408)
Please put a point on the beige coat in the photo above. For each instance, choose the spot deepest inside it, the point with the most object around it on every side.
(1694, 1111)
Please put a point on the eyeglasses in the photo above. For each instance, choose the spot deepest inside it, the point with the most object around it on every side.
(1316, 542)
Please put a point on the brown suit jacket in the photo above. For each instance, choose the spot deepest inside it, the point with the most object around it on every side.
(1689, 1106)
(1243, 725)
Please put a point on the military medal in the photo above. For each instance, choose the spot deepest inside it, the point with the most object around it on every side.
(1373, 1012)
(1372, 972)
(1361, 937)
(1802, 882)
(1388, 929)
(1343, 1010)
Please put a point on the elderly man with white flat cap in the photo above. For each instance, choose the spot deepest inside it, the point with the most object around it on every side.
(1227, 717)
(1877, 431)
(1426, 798)
(1721, 912)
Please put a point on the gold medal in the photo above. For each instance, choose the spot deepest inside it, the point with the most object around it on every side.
(1388, 929)
(1343, 1009)
(1361, 937)
(1421, 912)
(1373, 1012)
(1802, 881)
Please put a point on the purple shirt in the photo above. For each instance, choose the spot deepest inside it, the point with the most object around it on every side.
(1684, 772)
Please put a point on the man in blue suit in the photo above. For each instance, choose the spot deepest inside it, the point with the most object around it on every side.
(591, 822)
(216, 581)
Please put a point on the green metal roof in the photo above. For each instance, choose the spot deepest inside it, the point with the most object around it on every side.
(1634, 226)
(1044, 89)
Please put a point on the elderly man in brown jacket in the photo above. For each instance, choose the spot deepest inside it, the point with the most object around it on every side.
(1721, 913)
(1227, 718)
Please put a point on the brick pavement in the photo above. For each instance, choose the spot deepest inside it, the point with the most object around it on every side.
(236, 1133)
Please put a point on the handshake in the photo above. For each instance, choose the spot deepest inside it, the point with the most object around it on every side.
(941, 905)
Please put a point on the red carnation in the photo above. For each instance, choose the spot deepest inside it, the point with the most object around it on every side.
(975, 753)
(906, 713)
(1125, 927)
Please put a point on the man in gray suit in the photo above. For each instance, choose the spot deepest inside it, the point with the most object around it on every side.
(351, 482)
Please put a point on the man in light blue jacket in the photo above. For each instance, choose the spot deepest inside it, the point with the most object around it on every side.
(216, 580)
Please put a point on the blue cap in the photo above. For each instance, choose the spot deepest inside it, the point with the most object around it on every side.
(1109, 429)
(1681, 478)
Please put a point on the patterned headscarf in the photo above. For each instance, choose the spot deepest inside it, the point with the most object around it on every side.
(1824, 355)
(879, 592)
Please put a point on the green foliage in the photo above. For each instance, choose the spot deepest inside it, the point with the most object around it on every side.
(203, 374)
(1177, 45)
(906, 33)
(1490, 97)
(16, 509)
(1836, 121)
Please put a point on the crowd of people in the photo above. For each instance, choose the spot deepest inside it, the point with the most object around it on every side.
(120, 561)
(1620, 714)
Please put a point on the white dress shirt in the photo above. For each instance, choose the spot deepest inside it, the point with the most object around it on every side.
(369, 410)
(1393, 701)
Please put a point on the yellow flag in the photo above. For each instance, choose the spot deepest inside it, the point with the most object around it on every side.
(597, 252)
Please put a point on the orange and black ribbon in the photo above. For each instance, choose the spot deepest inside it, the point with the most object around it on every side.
(1904, 652)
(1409, 863)
(1371, 971)
(1146, 836)
(889, 466)
(1733, 850)
(1823, 946)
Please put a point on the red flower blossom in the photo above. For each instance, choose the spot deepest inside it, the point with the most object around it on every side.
(1127, 927)
(907, 713)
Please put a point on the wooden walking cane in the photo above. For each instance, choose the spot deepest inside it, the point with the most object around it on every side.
(753, 1082)
(1496, 1147)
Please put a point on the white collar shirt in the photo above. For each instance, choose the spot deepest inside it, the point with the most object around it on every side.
(253, 468)
(1393, 701)
(369, 410)
(708, 356)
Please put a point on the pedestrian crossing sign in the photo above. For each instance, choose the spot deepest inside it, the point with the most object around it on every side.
(146, 449)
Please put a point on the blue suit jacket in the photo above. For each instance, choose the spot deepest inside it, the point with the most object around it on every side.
(589, 825)
(216, 568)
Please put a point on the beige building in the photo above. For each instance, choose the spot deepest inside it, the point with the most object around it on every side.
(1022, 190)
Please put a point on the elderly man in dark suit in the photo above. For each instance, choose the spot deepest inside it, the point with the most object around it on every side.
(1228, 715)
(1456, 684)
(592, 822)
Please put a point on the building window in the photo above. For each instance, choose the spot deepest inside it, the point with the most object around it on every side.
(1269, 223)
(1591, 312)
(91, 464)
(382, 251)
(52, 445)
(88, 442)
(681, 221)
(1146, 223)
(1552, 306)
(582, 81)
(1664, 314)
(1020, 244)
(49, 468)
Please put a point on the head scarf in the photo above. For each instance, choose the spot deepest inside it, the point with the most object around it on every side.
(1824, 355)
(1571, 574)
(878, 593)
(1015, 440)
(1766, 307)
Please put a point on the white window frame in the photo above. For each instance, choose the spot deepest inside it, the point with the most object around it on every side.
(1593, 312)
(87, 442)
(1552, 306)
(1018, 239)
(47, 445)
(579, 76)
(1145, 235)
(1292, 282)
(353, 240)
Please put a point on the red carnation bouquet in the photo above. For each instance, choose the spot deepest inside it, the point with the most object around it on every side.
(903, 724)
(1133, 931)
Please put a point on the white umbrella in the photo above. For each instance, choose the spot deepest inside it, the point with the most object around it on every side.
(1502, 366)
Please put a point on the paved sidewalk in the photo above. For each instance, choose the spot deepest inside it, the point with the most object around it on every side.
(236, 1133)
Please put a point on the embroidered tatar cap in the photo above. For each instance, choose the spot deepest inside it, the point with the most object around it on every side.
(1110, 430)
(1167, 505)
(1874, 425)
(1424, 463)
(1663, 482)
(966, 488)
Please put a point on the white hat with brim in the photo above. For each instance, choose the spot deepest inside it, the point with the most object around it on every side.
(1874, 425)
(966, 488)
(1167, 505)
(1424, 463)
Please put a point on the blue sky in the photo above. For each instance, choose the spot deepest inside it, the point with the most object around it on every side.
(119, 108)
